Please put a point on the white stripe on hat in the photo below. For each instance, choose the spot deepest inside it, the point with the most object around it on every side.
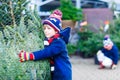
(52, 24)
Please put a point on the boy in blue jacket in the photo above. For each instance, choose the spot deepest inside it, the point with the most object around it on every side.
(108, 55)
(55, 48)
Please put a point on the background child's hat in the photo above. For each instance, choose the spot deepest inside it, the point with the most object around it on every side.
(107, 41)
(54, 20)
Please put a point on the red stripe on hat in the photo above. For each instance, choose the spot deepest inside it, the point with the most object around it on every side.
(52, 25)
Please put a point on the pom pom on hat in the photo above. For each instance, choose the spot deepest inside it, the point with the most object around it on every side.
(57, 14)
(54, 20)
(107, 40)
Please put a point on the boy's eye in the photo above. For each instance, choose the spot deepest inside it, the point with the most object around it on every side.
(48, 28)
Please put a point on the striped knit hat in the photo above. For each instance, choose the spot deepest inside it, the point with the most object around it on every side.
(54, 20)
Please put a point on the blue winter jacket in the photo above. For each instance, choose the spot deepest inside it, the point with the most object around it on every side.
(57, 49)
(112, 54)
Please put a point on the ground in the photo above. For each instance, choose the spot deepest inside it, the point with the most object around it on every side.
(85, 69)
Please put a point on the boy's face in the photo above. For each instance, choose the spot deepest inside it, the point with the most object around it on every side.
(49, 31)
(108, 47)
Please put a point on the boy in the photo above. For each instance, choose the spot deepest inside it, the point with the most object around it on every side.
(55, 48)
(108, 55)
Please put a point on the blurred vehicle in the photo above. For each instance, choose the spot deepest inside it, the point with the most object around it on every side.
(117, 11)
(93, 4)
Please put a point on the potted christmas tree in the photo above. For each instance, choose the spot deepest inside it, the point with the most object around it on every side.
(70, 13)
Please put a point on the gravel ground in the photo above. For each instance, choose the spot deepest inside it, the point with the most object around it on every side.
(85, 69)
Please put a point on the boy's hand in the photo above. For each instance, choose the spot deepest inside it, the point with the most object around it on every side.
(24, 56)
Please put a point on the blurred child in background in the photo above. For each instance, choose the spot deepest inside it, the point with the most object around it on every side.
(108, 55)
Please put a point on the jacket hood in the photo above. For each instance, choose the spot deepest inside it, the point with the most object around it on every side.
(65, 34)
